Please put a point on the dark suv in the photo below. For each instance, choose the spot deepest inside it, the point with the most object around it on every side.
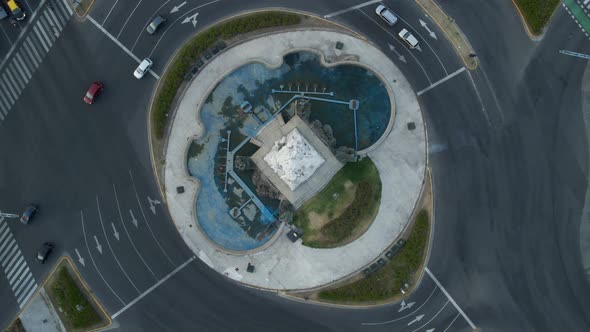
(29, 213)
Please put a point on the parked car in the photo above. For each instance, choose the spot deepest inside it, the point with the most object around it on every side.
(93, 92)
(15, 9)
(386, 14)
(44, 252)
(406, 36)
(143, 67)
(29, 214)
(155, 24)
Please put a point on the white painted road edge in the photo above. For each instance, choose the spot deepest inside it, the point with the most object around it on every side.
(149, 290)
(364, 4)
(442, 80)
(449, 296)
(100, 27)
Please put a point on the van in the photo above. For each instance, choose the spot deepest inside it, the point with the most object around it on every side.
(386, 14)
(18, 13)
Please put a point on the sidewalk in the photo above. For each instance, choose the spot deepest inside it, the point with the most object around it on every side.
(41, 316)
(400, 158)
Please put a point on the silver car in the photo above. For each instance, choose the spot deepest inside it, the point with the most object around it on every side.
(151, 29)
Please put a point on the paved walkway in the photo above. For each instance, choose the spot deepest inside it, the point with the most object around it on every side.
(40, 315)
(400, 158)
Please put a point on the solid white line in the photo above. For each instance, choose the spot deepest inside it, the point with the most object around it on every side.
(368, 3)
(92, 259)
(448, 327)
(128, 18)
(145, 219)
(146, 24)
(450, 298)
(111, 248)
(41, 40)
(129, 236)
(408, 315)
(442, 80)
(67, 5)
(106, 18)
(149, 290)
(24, 66)
(433, 317)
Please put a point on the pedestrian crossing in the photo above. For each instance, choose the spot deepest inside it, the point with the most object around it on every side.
(15, 267)
(579, 10)
(27, 54)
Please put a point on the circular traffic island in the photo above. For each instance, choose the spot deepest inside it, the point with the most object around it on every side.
(311, 134)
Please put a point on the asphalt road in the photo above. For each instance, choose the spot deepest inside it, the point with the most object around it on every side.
(507, 147)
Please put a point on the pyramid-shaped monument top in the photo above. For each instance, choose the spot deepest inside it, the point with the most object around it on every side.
(293, 159)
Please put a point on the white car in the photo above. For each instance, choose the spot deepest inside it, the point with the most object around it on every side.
(386, 14)
(406, 36)
(143, 67)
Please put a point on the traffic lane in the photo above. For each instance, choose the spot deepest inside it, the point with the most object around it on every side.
(199, 296)
(120, 16)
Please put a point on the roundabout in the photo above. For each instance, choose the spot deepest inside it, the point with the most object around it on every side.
(211, 118)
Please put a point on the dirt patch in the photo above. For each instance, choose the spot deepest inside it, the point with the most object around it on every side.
(16, 326)
(319, 220)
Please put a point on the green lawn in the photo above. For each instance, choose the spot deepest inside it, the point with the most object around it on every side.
(346, 207)
(65, 294)
(537, 13)
(386, 283)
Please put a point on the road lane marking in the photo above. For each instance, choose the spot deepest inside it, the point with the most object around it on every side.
(94, 263)
(146, 24)
(145, 219)
(149, 290)
(127, 232)
(433, 317)
(38, 56)
(449, 297)
(408, 315)
(111, 248)
(128, 18)
(41, 40)
(110, 11)
(23, 66)
(349, 9)
(67, 5)
(448, 327)
(14, 95)
(101, 28)
(17, 267)
(442, 80)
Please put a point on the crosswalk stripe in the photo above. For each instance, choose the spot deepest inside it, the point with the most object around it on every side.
(53, 21)
(41, 25)
(20, 66)
(67, 5)
(586, 1)
(62, 11)
(24, 300)
(18, 78)
(15, 83)
(24, 286)
(5, 107)
(19, 264)
(8, 94)
(27, 59)
(30, 56)
(36, 29)
(62, 20)
(38, 56)
(13, 260)
(3, 231)
(21, 278)
(11, 87)
(10, 246)
(49, 27)
(24, 66)
(17, 272)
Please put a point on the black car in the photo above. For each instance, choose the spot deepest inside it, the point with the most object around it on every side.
(44, 252)
(29, 213)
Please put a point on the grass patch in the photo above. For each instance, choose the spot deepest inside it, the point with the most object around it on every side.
(386, 283)
(66, 294)
(348, 203)
(193, 50)
(537, 13)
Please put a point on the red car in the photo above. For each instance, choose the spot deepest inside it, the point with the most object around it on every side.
(93, 92)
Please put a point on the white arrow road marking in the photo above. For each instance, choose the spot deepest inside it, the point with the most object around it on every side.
(153, 203)
(80, 259)
(133, 220)
(177, 7)
(430, 32)
(192, 18)
(430, 330)
(417, 319)
(405, 306)
(98, 246)
(399, 56)
(419, 48)
(115, 233)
